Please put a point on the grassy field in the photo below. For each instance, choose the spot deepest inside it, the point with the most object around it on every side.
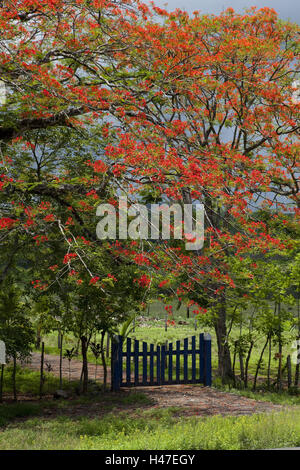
(28, 382)
(146, 429)
(131, 421)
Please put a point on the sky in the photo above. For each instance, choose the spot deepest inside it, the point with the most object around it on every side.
(286, 9)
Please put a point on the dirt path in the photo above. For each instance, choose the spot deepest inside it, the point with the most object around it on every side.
(75, 367)
(194, 400)
(206, 401)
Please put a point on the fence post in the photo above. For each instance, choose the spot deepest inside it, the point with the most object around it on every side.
(207, 359)
(201, 358)
(116, 354)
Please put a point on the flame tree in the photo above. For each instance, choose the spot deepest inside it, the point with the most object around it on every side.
(193, 109)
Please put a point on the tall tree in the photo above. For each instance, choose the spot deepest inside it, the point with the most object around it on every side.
(194, 108)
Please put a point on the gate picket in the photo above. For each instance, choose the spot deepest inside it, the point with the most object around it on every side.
(170, 364)
(128, 362)
(193, 358)
(177, 362)
(145, 357)
(136, 362)
(185, 359)
(163, 364)
(151, 363)
(158, 373)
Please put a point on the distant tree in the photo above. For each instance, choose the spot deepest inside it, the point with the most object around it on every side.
(15, 328)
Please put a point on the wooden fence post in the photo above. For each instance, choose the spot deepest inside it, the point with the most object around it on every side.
(201, 358)
(207, 359)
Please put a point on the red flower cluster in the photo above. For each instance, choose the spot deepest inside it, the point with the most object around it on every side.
(40, 239)
(6, 222)
(143, 281)
(37, 285)
(68, 257)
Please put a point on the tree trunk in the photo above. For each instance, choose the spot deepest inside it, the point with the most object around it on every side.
(269, 362)
(85, 370)
(60, 360)
(289, 371)
(77, 347)
(1, 383)
(103, 358)
(296, 383)
(279, 374)
(247, 363)
(259, 363)
(38, 338)
(241, 359)
(224, 359)
(14, 377)
(233, 364)
(59, 340)
(107, 344)
(42, 370)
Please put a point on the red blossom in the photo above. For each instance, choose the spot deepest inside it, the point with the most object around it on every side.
(7, 223)
(94, 280)
(68, 257)
(143, 281)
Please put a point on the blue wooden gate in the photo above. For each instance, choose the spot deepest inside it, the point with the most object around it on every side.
(135, 363)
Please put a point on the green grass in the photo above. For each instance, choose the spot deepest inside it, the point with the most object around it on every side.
(28, 382)
(9, 412)
(279, 398)
(51, 343)
(138, 428)
(51, 346)
(154, 429)
(254, 432)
